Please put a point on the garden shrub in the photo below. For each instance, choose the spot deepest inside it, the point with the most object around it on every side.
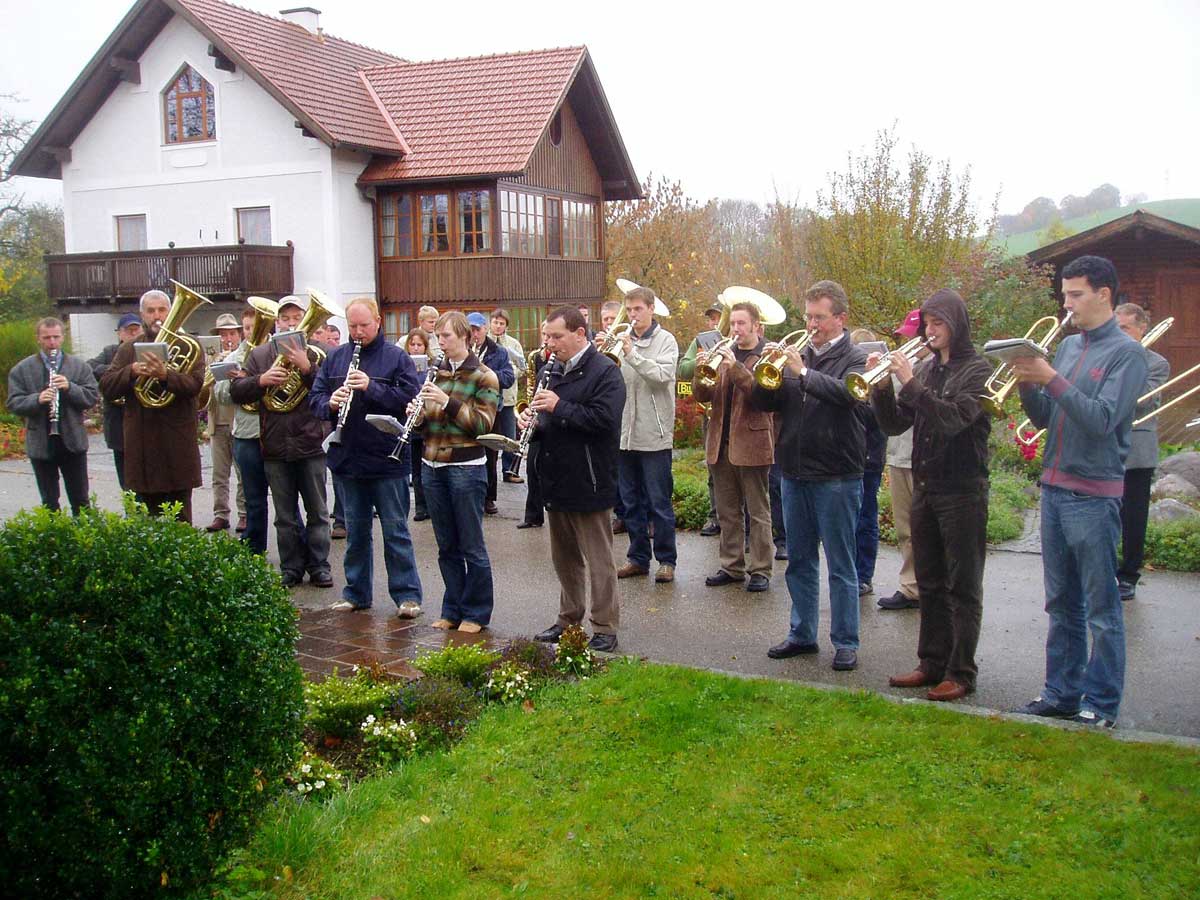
(17, 341)
(1174, 545)
(508, 681)
(689, 422)
(467, 664)
(439, 709)
(536, 657)
(150, 702)
(387, 742)
(338, 706)
(1009, 495)
(690, 501)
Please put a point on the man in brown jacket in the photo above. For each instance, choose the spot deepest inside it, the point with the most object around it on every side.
(162, 458)
(739, 449)
(292, 451)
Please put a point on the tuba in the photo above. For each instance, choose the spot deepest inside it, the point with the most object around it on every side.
(265, 312)
(286, 397)
(184, 352)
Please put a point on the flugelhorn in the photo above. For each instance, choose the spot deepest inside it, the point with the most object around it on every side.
(611, 345)
(1003, 380)
(768, 371)
(183, 349)
(284, 398)
(860, 383)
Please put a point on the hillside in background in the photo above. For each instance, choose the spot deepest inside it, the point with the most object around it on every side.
(1184, 211)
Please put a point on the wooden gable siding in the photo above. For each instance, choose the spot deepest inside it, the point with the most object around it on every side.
(569, 167)
(491, 279)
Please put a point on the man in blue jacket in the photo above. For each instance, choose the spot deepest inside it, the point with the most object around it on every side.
(1085, 401)
(579, 430)
(384, 383)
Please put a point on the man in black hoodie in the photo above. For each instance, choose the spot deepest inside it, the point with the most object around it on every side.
(939, 400)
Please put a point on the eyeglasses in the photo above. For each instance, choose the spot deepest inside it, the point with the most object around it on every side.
(818, 318)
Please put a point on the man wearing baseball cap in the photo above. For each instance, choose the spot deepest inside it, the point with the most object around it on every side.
(129, 329)
(900, 486)
(220, 428)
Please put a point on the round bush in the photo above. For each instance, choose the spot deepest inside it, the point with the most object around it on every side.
(149, 698)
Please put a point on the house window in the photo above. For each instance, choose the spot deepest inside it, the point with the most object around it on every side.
(435, 223)
(475, 221)
(579, 229)
(395, 225)
(553, 226)
(254, 225)
(523, 222)
(131, 232)
(395, 325)
(189, 108)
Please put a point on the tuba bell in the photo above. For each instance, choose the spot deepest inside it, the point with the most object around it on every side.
(265, 313)
(286, 397)
(184, 350)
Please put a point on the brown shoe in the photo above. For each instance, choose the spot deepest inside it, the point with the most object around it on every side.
(469, 627)
(664, 574)
(949, 690)
(218, 524)
(915, 678)
(241, 525)
(630, 569)
(618, 526)
(338, 532)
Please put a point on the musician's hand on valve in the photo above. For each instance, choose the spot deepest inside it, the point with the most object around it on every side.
(795, 361)
(627, 342)
(1033, 370)
(599, 339)
(544, 401)
(339, 397)
(873, 359)
(153, 365)
(358, 380)
(298, 357)
(901, 367)
(273, 377)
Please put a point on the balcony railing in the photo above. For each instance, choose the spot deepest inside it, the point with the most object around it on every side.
(236, 270)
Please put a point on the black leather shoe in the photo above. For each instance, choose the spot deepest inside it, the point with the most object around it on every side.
(529, 524)
(787, 648)
(490, 508)
(603, 643)
(290, 580)
(1127, 590)
(896, 601)
(550, 635)
(845, 660)
(781, 551)
(721, 578)
(420, 516)
(758, 583)
(320, 579)
(709, 528)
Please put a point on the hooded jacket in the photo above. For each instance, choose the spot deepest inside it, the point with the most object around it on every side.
(941, 405)
(1087, 410)
(821, 435)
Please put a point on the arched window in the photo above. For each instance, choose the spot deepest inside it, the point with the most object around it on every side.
(189, 108)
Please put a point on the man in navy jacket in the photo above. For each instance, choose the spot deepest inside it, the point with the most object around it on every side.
(579, 430)
(384, 384)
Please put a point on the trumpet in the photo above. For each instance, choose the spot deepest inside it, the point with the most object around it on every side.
(860, 384)
(1003, 380)
(709, 366)
(1147, 340)
(335, 436)
(768, 371)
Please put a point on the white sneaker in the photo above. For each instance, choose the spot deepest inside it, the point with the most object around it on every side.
(408, 610)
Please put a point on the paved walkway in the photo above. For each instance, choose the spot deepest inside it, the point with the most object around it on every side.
(727, 628)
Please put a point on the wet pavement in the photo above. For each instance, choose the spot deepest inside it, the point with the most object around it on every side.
(727, 628)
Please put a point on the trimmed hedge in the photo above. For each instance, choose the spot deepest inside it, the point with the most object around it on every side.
(1174, 545)
(149, 698)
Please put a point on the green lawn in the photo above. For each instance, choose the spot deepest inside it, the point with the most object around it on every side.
(660, 781)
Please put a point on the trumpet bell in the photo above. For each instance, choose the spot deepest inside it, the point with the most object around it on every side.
(859, 387)
(768, 371)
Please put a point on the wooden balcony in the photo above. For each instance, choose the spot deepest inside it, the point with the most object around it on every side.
(234, 271)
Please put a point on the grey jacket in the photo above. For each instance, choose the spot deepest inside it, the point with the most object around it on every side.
(29, 378)
(1087, 410)
(1143, 441)
(516, 355)
(648, 420)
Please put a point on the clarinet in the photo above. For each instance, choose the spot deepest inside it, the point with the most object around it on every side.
(527, 432)
(54, 363)
(411, 422)
(335, 436)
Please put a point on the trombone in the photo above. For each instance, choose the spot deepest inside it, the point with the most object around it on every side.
(1003, 380)
(860, 383)
(1147, 340)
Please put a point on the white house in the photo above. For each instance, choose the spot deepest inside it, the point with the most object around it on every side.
(243, 154)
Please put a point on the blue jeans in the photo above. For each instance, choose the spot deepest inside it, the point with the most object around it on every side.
(248, 454)
(339, 502)
(455, 498)
(646, 486)
(1079, 564)
(866, 534)
(389, 496)
(822, 513)
(506, 424)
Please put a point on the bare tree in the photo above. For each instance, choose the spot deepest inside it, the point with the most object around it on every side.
(14, 132)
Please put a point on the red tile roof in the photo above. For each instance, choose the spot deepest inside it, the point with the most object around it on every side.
(319, 75)
(474, 116)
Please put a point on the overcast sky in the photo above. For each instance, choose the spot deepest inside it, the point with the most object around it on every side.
(745, 100)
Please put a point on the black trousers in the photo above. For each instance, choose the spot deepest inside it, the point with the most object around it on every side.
(949, 535)
(1135, 510)
(417, 446)
(119, 463)
(72, 466)
(534, 510)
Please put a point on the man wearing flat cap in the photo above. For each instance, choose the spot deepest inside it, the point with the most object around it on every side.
(220, 427)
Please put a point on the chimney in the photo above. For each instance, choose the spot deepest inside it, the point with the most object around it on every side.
(304, 16)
